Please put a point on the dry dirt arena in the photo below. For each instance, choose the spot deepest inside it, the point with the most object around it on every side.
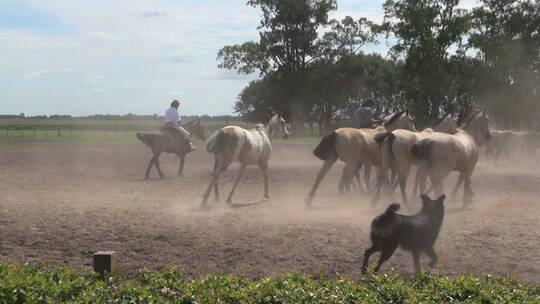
(61, 202)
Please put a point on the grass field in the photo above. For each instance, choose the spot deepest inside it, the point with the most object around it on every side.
(29, 131)
(88, 129)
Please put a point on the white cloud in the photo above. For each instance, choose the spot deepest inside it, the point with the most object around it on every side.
(35, 74)
(176, 93)
(96, 77)
(70, 70)
(98, 90)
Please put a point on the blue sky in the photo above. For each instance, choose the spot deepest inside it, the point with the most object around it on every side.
(132, 56)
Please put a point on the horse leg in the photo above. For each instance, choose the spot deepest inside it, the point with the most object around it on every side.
(216, 192)
(264, 169)
(381, 177)
(341, 185)
(156, 162)
(182, 159)
(348, 174)
(326, 166)
(149, 168)
(213, 180)
(238, 177)
(357, 175)
(367, 175)
(403, 176)
(467, 191)
(458, 184)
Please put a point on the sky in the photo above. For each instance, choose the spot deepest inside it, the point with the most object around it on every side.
(81, 57)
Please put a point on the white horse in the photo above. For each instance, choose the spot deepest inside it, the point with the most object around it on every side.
(443, 153)
(396, 155)
(248, 147)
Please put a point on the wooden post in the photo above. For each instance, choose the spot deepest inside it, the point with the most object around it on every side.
(103, 262)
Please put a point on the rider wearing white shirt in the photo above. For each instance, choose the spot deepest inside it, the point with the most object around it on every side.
(172, 119)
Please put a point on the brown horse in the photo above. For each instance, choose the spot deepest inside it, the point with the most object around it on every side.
(399, 120)
(166, 140)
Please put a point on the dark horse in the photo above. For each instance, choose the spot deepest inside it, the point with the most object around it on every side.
(166, 140)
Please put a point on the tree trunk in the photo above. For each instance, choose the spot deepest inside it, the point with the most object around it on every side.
(298, 118)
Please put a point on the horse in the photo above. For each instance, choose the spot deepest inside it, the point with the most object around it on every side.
(445, 124)
(399, 120)
(352, 146)
(166, 140)
(396, 155)
(248, 147)
(443, 153)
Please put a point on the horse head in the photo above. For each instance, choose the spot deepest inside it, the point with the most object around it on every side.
(195, 127)
(478, 127)
(277, 127)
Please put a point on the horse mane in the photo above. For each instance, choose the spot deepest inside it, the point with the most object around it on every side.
(393, 118)
(441, 119)
(470, 120)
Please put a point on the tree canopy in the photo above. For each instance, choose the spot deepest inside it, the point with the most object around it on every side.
(442, 58)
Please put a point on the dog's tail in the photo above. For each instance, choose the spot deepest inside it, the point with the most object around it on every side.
(382, 226)
(392, 209)
(422, 149)
(389, 137)
(327, 147)
(146, 138)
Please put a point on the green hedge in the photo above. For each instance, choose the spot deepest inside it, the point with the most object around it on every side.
(36, 284)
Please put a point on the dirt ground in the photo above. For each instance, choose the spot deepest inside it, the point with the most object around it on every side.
(59, 203)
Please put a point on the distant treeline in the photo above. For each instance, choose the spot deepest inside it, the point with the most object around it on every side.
(121, 117)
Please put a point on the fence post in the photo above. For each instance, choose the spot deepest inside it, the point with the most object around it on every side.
(46, 133)
(103, 262)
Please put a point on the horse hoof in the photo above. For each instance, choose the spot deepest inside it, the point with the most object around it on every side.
(228, 201)
(181, 175)
(266, 196)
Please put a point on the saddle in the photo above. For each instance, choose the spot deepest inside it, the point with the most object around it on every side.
(171, 132)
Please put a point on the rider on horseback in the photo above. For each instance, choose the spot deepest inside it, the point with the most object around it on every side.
(172, 120)
(364, 115)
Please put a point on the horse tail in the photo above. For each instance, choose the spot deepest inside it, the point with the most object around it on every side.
(147, 139)
(380, 138)
(327, 147)
(215, 142)
(422, 150)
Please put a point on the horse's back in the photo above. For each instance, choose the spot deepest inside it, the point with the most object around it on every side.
(238, 144)
(358, 144)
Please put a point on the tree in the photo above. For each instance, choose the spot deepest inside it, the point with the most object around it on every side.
(426, 31)
(507, 35)
(287, 46)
